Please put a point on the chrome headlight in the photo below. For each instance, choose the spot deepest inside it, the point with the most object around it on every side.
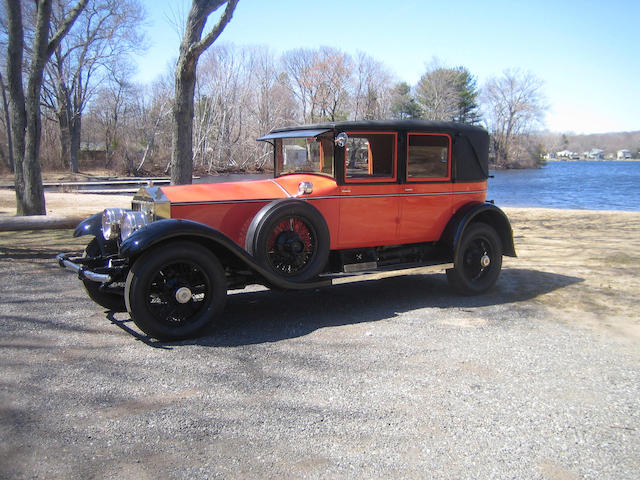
(111, 219)
(131, 222)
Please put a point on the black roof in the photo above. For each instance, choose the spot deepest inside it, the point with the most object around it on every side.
(470, 143)
(450, 127)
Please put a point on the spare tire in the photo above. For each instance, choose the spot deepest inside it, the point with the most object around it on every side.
(290, 238)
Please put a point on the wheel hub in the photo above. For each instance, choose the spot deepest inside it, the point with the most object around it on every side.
(485, 261)
(289, 243)
(183, 295)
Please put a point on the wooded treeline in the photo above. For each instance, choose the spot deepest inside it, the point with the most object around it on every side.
(94, 116)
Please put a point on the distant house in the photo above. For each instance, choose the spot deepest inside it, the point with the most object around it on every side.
(623, 154)
(564, 154)
(596, 154)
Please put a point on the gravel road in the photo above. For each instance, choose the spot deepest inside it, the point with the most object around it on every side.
(396, 378)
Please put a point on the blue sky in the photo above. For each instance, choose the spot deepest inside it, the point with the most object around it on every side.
(586, 52)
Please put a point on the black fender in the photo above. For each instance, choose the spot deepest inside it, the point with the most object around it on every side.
(93, 226)
(90, 226)
(163, 231)
(479, 212)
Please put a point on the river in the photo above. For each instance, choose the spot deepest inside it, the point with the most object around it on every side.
(606, 185)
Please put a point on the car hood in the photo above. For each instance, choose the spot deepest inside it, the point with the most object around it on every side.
(268, 189)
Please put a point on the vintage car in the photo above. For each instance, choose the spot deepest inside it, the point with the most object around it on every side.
(345, 198)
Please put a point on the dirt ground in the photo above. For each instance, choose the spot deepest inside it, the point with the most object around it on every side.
(598, 250)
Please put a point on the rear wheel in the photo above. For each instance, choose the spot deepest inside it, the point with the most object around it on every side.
(109, 300)
(478, 260)
(175, 291)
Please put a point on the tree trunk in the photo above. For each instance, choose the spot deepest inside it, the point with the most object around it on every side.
(65, 136)
(7, 121)
(76, 131)
(26, 122)
(191, 47)
(182, 125)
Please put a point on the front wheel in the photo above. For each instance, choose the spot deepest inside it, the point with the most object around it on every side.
(175, 290)
(478, 260)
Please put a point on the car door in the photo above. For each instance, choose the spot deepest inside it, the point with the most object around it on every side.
(425, 205)
(369, 195)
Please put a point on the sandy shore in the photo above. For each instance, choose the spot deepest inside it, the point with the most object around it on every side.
(586, 262)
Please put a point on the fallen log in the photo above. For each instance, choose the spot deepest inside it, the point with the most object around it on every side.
(39, 222)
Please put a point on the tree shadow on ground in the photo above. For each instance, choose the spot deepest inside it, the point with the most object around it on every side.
(253, 317)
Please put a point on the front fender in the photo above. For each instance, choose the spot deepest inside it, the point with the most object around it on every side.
(479, 212)
(162, 231)
(90, 226)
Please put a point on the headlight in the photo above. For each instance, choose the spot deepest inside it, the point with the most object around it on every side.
(111, 219)
(131, 222)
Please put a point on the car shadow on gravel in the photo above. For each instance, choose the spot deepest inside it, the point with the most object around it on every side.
(254, 317)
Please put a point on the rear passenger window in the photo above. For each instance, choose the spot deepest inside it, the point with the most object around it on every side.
(370, 157)
(428, 157)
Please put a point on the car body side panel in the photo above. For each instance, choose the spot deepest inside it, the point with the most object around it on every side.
(468, 192)
(425, 209)
(369, 215)
(231, 218)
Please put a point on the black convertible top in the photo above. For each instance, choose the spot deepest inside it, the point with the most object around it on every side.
(470, 143)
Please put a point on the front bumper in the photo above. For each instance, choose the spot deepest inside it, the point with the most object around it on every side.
(77, 265)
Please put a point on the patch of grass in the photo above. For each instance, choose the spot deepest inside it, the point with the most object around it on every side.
(622, 259)
(39, 243)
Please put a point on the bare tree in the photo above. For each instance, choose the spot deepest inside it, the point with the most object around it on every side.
(25, 108)
(106, 32)
(514, 105)
(372, 89)
(192, 46)
(320, 79)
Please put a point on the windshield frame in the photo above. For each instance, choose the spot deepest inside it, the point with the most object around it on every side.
(288, 147)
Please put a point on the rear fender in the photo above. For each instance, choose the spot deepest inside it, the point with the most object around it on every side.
(227, 251)
(479, 212)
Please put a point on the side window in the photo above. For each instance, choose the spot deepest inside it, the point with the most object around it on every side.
(370, 157)
(428, 157)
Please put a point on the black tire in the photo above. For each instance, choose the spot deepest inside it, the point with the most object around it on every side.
(109, 300)
(290, 238)
(477, 261)
(174, 291)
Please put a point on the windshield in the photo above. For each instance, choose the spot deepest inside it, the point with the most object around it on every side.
(304, 155)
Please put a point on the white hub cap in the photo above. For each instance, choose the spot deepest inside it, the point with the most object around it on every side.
(183, 295)
(485, 261)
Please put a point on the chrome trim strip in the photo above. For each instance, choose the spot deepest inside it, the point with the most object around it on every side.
(399, 195)
(214, 202)
(82, 273)
(281, 187)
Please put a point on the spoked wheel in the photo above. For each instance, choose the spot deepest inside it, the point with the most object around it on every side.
(292, 245)
(175, 291)
(110, 300)
(478, 260)
(290, 238)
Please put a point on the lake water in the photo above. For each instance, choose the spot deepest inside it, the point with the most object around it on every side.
(606, 185)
